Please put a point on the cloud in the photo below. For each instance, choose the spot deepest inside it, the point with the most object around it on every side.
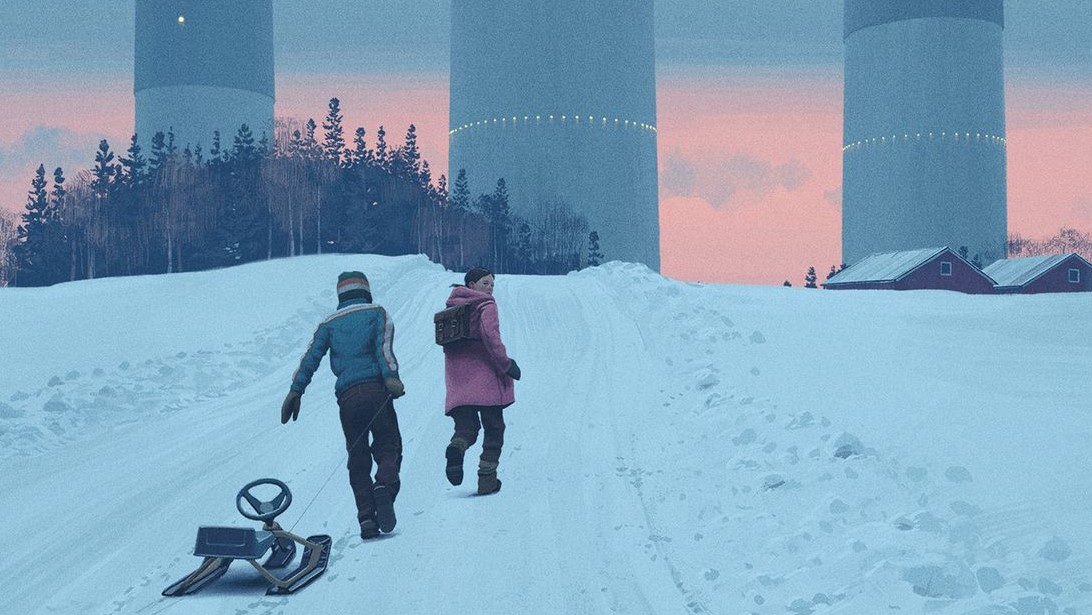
(731, 180)
(51, 146)
(678, 175)
(834, 197)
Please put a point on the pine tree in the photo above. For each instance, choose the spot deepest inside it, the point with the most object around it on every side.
(57, 240)
(382, 156)
(409, 155)
(498, 213)
(424, 177)
(172, 148)
(133, 164)
(787, 283)
(360, 155)
(30, 252)
(243, 148)
(215, 152)
(102, 187)
(104, 170)
(333, 145)
(595, 257)
(294, 147)
(460, 195)
(832, 272)
(459, 201)
(159, 153)
(310, 147)
(810, 278)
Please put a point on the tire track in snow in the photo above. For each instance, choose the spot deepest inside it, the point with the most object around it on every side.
(629, 343)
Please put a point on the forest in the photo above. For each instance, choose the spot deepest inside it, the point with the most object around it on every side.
(306, 189)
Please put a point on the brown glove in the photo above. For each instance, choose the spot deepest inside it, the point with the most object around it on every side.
(395, 387)
(291, 407)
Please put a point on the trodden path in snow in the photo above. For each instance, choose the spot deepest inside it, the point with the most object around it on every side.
(564, 535)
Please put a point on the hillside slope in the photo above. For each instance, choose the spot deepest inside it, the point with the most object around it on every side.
(674, 448)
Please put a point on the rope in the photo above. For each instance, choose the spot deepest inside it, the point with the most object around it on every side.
(363, 434)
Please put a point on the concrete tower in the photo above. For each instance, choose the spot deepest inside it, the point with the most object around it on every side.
(559, 99)
(924, 135)
(202, 66)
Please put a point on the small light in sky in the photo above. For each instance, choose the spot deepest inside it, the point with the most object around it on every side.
(181, 20)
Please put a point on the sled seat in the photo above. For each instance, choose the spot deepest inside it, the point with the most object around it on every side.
(232, 542)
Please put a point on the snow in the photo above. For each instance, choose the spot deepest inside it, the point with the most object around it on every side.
(674, 447)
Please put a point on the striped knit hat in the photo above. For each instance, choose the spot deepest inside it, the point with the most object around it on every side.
(353, 285)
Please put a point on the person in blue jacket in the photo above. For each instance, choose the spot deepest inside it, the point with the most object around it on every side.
(360, 338)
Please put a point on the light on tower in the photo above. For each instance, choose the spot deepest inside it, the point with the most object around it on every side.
(181, 20)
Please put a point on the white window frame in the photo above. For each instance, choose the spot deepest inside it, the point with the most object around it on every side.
(1074, 275)
(942, 264)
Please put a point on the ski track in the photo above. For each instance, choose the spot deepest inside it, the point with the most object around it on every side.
(591, 518)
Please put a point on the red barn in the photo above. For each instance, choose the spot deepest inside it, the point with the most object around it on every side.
(1052, 273)
(930, 268)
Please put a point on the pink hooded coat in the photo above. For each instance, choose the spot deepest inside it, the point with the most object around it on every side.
(474, 370)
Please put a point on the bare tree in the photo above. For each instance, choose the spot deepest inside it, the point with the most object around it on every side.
(8, 236)
(1067, 239)
(562, 235)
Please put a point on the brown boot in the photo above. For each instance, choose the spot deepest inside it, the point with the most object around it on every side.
(487, 478)
(454, 455)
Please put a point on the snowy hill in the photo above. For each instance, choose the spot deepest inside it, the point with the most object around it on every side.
(674, 447)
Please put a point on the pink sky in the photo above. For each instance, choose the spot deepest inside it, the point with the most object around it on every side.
(750, 162)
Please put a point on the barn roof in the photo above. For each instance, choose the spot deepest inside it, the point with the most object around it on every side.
(1019, 272)
(885, 267)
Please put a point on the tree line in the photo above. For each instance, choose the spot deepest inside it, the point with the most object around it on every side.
(299, 191)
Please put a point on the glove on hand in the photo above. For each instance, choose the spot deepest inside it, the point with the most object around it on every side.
(513, 370)
(291, 407)
(395, 387)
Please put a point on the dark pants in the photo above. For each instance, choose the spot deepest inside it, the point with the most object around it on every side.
(368, 408)
(467, 426)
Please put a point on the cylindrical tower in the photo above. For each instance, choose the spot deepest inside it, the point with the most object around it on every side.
(203, 66)
(923, 158)
(559, 99)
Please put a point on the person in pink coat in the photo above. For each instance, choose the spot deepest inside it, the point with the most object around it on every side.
(479, 376)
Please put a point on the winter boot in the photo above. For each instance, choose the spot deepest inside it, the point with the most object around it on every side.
(487, 478)
(384, 508)
(454, 455)
(369, 528)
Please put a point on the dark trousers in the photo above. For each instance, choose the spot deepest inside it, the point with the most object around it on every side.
(467, 425)
(368, 408)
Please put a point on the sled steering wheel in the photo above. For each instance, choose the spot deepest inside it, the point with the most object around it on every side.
(264, 511)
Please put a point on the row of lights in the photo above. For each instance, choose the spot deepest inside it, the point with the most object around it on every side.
(965, 137)
(579, 119)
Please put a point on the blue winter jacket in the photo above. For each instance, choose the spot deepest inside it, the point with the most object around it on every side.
(359, 336)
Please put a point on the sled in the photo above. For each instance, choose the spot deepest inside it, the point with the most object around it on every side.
(219, 546)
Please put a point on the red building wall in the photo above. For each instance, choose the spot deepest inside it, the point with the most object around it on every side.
(964, 278)
(1057, 279)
